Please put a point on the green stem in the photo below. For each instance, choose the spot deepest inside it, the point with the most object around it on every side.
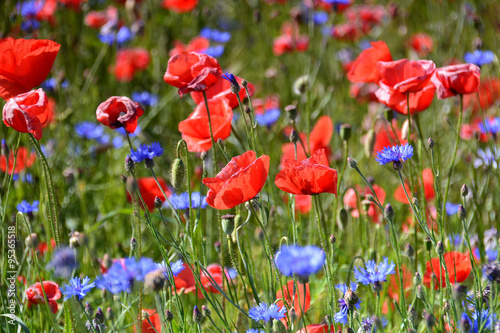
(211, 132)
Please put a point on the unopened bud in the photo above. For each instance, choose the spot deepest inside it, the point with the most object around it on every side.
(389, 115)
(333, 239)
(428, 243)
(133, 244)
(370, 142)
(244, 83)
(352, 162)
(129, 164)
(291, 111)
(420, 292)
(89, 310)
(205, 311)
(430, 320)
(440, 248)
(430, 143)
(345, 132)
(32, 241)
(409, 250)
(204, 155)
(155, 280)
(412, 314)
(397, 165)
(158, 202)
(197, 316)
(388, 212)
(464, 190)
(217, 246)
(294, 136)
(177, 173)
(169, 316)
(99, 316)
(462, 213)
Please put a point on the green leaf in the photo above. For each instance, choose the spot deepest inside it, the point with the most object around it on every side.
(19, 321)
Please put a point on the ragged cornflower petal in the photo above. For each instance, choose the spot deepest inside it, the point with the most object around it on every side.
(395, 154)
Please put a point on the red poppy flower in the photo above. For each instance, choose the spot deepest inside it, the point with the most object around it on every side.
(196, 130)
(419, 101)
(34, 294)
(422, 43)
(429, 193)
(364, 68)
(393, 289)
(73, 4)
(149, 191)
(489, 93)
(261, 105)
(294, 297)
(96, 19)
(51, 111)
(192, 72)
(458, 266)
(43, 246)
(303, 204)
(185, 281)
(317, 328)
(366, 16)
(197, 44)
(290, 40)
(319, 138)
(364, 92)
(385, 137)
(47, 13)
(24, 64)
(239, 181)
(215, 274)
(404, 76)
(119, 111)
(351, 201)
(222, 89)
(25, 159)
(154, 318)
(26, 113)
(348, 32)
(180, 6)
(457, 80)
(310, 176)
(130, 61)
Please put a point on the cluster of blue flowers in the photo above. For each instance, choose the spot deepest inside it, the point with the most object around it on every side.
(491, 126)
(145, 98)
(394, 154)
(215, 36)
(266, 313)
(145, 152)
(300, 261)
(63, 262)
(181, 201)
(27, 208)
(28, 10)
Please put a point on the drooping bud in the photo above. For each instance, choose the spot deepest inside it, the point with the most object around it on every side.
(177, 173)
(291, 111)
(333, 239)
(129, 164)
(228, 224)
(345, 132)
(428, 243)
(343, 216)
(301, 84)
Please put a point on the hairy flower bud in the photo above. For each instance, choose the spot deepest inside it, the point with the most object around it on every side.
(177, 173)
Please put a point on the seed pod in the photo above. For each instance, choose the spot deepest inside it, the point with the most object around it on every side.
(228, 224)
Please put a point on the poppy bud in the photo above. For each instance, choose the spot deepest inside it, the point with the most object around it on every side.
(389, 115)
(32, 241)
(291, 111)
(343, 216)
(352, 162)
(409, 250)
(464, 190)
(430, 143)
(158, 202)
(5, 148)
(345, 132)
(228, 224)
(294, 136)
(428, 243)
(244, 83)
(350, 297)
(439, 248)
(301, 84)
(389, 212)
(370, 142)
(109, 313)
(177, 173)
(462, 213)
(292, 315)
(129, 164)
(278, 327)
(169, 316)
(205, 311)
(74, 240)
(197, 316)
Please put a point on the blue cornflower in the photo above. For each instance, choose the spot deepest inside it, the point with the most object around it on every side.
(176, 267)
(145, 152)
(367, 324)
(25, 178)
(109, 34)
(51, 84)
(337, 2)
(487, 157)
(266, 313)
(491, 254)
(394, 154)
(89, 130)
(268, 118)
(492, 126)
(144, 98)
(215, 51)
(451, 208)
(63, 262)
(230, 77)
(300, 261)
(77, 287)
(215, 35)
(181, 201)
(26, 208)
(122, 131)
(121, 275)
(480, 319)
(254, 330)
(29, 8)
(348, 301)
(373, 273)
(320, 17)
(479, 57)
(30, 25)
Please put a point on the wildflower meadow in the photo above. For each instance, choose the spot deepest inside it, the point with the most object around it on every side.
(250, 166)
